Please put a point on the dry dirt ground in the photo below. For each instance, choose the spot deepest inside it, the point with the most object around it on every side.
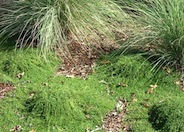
(5, 88)
(81, 60)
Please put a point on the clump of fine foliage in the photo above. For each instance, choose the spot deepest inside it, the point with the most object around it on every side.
(13, 63)
(159, 30)
(168, 116)
(51, 23)
(66, 108)
(130, 67)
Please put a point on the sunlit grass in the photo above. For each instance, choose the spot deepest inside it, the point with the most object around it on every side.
(130, 77)
(43, 101)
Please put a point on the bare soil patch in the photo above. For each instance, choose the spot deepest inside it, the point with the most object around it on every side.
(81, 59)
(5, 88)
(114, 120)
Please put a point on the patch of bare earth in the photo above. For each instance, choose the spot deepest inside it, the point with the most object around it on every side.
(81, 58)
(80, 61)
(5, 88)
(114, 120)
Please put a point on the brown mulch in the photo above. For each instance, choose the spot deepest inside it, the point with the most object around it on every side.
(114, 120)
(5, 88)
(81, 59)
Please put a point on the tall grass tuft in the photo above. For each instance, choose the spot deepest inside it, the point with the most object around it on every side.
(159, 30)
(52, 23)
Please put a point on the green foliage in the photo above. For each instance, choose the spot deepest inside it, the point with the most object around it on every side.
(159, 30)
(43, 101)
(130, 67)
(58, 104)
(65, 107)
(30, 63)
(54, 22)
(130, 77)
(168, 116)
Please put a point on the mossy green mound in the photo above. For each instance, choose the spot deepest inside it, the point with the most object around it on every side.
(168, 116)
(130, 67)
(64, 107)
(43, 101)
(29, 62)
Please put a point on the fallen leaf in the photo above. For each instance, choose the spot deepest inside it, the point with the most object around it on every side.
(153, 86)
(151, 89)
(122, 84)
(31, 94)
(32, 130)
(121, 104)
(16, 128)
(70, 76)
(146, 105)
(134, 100)
(177, 82)
(87, 116)
(88, 130)
(168, 70)
(20, 75)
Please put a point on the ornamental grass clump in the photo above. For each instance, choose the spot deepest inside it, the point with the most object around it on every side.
(159, 31)
(52, 23)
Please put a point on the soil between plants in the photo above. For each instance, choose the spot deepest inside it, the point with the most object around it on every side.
(5, 88)
(80, 61)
